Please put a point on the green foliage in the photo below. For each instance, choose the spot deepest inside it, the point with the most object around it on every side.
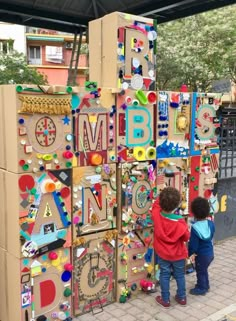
(14, 70)
(197, 50)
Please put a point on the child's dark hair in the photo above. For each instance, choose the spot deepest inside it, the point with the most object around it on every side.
(169, 199)
(200, 208)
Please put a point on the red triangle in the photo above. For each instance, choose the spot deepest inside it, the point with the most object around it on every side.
(123, 154)
(24, 196)
(25, 270)
(147, 82)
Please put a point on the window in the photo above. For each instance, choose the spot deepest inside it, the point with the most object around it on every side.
(34, 55)
(6, 46)
(54, 54)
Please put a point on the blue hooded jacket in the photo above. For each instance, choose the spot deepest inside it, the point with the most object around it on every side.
(201, 238)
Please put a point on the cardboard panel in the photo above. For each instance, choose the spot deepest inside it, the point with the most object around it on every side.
(174, 172)
(39, 137)
(135, 263)
(94, 199)
(94, 272)
(128, 52)
(135, 137)
(3, 282)
(39, 288)
(138, 192)
(94, 126)
(205, 123)
(3, 213)
(38, 212)
(2, 133)
(173, 123)
(203, 179)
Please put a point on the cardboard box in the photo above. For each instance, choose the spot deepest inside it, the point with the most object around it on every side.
(34, 287)
(122, 51)
(3, 213)
(37, 130)
(3, 285)
(38, 211)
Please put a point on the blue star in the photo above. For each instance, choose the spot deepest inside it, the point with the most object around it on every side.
(66, 120)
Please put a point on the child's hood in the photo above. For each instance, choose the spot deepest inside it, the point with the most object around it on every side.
(203, 230)
(167, 229)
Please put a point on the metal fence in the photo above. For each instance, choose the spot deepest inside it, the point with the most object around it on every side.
(227, 144)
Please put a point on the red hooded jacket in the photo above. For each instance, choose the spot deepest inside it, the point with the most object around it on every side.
(169, 235)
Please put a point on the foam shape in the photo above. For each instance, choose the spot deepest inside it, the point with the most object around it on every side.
(47, 292)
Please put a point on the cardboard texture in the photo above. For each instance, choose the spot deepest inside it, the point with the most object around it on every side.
(3, 212)
(2, 133)
(173, 124)
(135, 120)
(4, 288)
(38, 287)
(39, 207)
(94, 126)
(138, 191)
(205, 125)
(94, 272)
(127, 55)
(40, 133)
(174, 172)
(135, 263)
(94, 199)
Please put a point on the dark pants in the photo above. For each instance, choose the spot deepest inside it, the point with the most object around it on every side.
(202, 263)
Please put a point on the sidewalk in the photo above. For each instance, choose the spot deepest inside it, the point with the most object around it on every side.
(218, 305)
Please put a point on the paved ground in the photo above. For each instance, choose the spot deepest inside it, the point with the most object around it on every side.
(218, 305)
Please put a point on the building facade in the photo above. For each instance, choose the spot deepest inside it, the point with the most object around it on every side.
(47, 51)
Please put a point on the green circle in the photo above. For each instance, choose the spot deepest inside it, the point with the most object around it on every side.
(54, 155)
(68, 164)
(67, 292)
(98, 170)
(152, 143)
(25, 167)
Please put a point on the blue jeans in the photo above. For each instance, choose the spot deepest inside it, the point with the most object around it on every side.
(202, 263)
(178, 268)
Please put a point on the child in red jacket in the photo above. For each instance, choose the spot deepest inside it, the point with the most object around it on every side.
(170, 234)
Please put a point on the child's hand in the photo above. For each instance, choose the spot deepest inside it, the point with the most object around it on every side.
(192, 258)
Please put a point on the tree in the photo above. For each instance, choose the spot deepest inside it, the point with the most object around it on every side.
(197, 50)
(14, 70)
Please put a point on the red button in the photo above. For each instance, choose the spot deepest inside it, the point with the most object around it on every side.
(67, 154)
(152, 97)
(65, 192)
(21, 162)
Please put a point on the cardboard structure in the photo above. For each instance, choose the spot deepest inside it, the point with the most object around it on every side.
(135, 262)
(135, 125)
(94, 125)
(94, 199)
(123, 50)
(80, 169)
(173, 124)
(94, 272)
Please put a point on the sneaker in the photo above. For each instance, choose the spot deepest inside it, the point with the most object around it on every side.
(180, 301)
(197, 291)
(160, 301)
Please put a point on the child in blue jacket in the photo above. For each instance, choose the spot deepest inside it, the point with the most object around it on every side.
(201, 244)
